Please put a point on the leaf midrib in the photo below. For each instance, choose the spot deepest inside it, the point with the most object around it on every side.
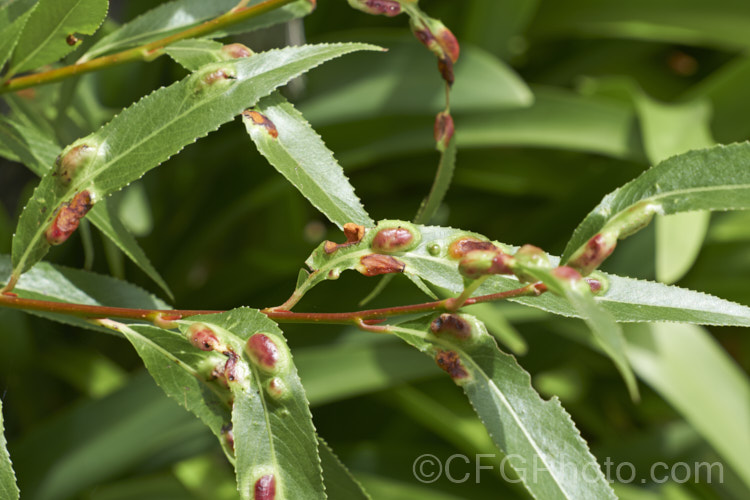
(91, 177)
(494, 388)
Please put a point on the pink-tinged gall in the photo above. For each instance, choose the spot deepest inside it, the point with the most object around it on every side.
(392, 239)
(203, 337)
(264, 352)
(265, 488)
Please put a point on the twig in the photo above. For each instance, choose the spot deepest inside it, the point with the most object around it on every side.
(147, 52)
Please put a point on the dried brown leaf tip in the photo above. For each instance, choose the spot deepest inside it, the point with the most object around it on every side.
(354, 234)
(375, 264)
(261, 120)
(68, 218)
(265, 488)
(451, 325)
(450, 362)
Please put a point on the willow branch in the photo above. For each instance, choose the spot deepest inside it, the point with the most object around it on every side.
(164, 316)
(147, 52)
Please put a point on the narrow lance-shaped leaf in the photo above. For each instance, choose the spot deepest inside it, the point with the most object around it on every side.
(62, 284)
(533, 433)
(668, 130)
(716, 178)
(13, 18)
(38, 153)
(172, 17)
(187, 374)
(339, 482)
(430, 257)
(126, 148)
(715, 400)
(52, 30)
(446, 144)
(275, 446)
(532, 264)
(8, 488)
(288, 142)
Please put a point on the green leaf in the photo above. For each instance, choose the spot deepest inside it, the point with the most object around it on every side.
(192, 54)
(440, 185)
(13, 18)
(712, 398)
(693, 22)
(607, 333)
(526, 428)
(45, 38)
(273, 435)
(339, 482)
(8, 488)
(172, 17)
(405, 83)
(182, 371)
(557, 119)
(334, 372)
(72, 449)
(290, 144)
(627, 299)
(668, 130)
(109, 224)
(38, 153)
(716, 178)
(123, 150)
(62, 284)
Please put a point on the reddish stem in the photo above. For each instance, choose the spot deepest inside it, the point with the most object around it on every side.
(362, 318)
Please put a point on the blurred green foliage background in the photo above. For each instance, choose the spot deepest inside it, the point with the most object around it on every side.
(83, 420)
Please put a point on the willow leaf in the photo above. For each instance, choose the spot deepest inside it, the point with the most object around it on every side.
(339, 482)
(28, 146)
(13, 18)
(45, 38)
(716, 178)
(290, 144)
(63, 284)
(607, 333)
(440, 185)
(526, 428)
(8, 488)
(715, 399)
(172, 17)
(626, 299)
(274, 438)
(180, 369)
(157, 127)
